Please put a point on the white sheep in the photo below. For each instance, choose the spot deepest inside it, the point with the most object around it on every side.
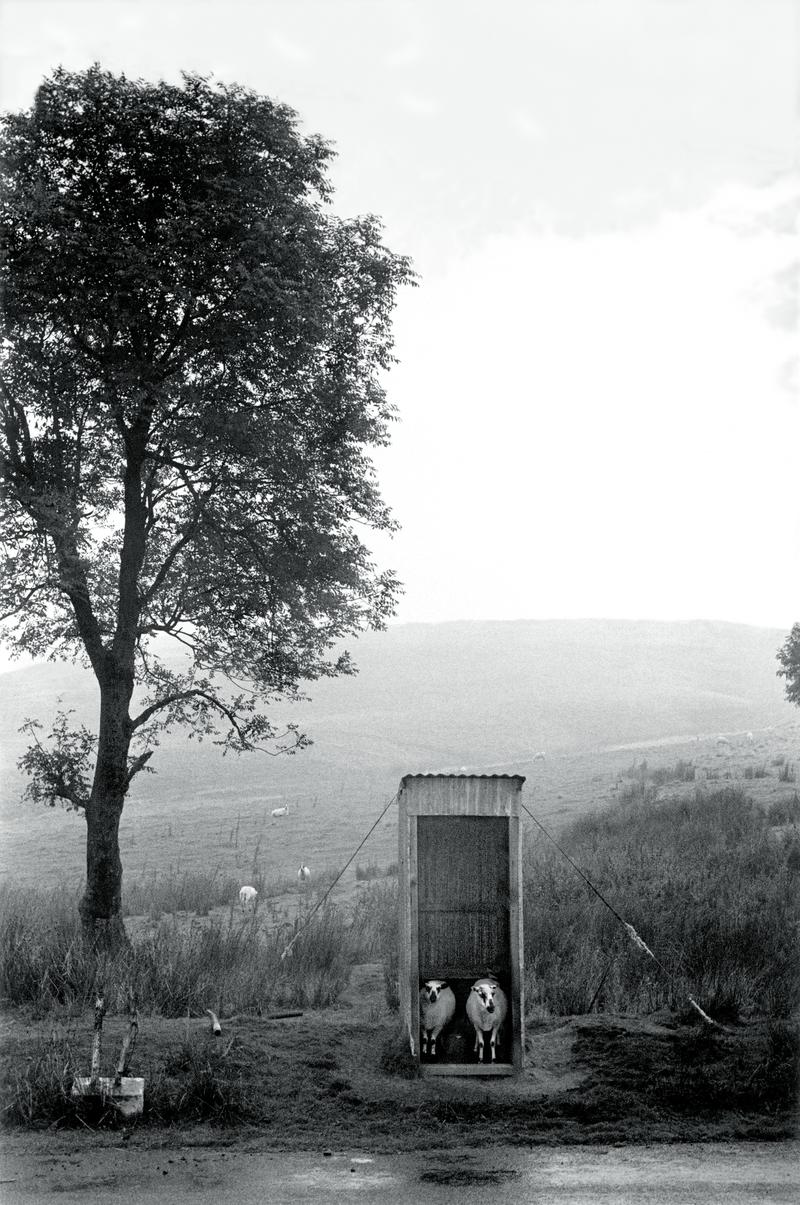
(486, 1008)
(247, 898)
(538, 757)
(437, 1006)
(280, 811)
(304, 874)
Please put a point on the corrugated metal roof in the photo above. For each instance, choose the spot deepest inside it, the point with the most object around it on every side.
(443, 774)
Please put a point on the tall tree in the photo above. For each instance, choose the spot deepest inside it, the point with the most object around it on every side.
(789, 661)
(192, 357)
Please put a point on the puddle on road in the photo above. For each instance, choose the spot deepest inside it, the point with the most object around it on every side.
(464, 1176)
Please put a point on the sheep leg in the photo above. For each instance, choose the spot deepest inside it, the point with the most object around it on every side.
(479, 1044)
(424, 1043)
(492, 1044)
(434, 1036)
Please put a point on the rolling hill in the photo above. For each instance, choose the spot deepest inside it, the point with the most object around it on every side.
(465, 695)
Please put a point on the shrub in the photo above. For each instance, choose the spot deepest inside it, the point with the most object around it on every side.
(373, 871)
(755, 771)
(37, 1091)
(370, 871)
(194, 1084)
(681, 771)
(785, 811)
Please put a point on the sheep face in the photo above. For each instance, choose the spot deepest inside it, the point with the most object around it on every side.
(486, 993)
(432, 988)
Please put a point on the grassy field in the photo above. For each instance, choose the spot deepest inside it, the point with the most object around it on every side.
(237, 839)
(697, 847)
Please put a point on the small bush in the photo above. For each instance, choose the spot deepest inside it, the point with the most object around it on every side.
(681, 771)
(38, 1091)
(751, 772)
(196, 1085)
(370, 871)
(785, 811)
(373, 871)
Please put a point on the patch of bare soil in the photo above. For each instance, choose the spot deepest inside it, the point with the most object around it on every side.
(339, 1077)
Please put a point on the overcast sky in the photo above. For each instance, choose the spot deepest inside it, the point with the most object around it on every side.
(597, 389)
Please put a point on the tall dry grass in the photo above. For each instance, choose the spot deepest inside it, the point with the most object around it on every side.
(711, 883)
(176, 966)
(706, 882)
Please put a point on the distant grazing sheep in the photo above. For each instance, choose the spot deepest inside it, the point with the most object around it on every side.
(437, 1006)
(723, 742)
(247, 898)
(304, 874)
(538, 757)
(486, 1008)
(280, 811)
(750, 738)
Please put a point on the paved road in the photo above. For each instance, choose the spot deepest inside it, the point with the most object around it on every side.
(681, 1174)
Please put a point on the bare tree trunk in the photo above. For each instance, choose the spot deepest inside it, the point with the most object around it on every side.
(101, 906)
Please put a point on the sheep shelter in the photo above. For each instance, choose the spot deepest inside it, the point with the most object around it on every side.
(460, 876)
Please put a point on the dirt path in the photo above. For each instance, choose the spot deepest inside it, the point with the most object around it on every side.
(680, 1174)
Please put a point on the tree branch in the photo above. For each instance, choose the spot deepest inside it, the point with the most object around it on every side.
(139, 763)
(23, 602)
(178, 697)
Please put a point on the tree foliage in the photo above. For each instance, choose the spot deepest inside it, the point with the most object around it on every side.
(59, 772)
(192, 362)
(789, 660)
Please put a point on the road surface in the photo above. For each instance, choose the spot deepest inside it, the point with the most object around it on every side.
(680, 1174)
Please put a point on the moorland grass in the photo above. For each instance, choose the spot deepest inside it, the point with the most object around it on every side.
(175, 966)
(707, 884)
(710, 883)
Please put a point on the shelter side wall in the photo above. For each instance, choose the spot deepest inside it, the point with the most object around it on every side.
(517, 946)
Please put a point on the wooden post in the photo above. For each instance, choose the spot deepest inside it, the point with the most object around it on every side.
(99, 1013)
(413, 879)
(129, 1041)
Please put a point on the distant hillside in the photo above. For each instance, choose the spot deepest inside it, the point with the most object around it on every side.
(479, 695)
